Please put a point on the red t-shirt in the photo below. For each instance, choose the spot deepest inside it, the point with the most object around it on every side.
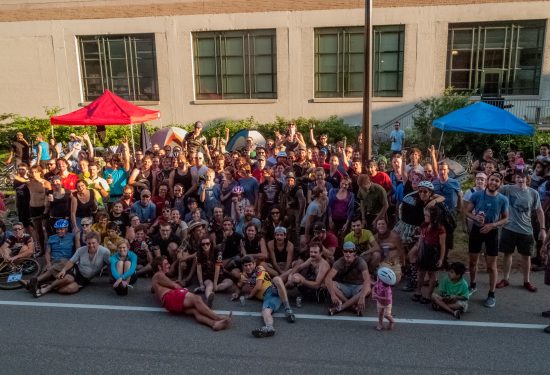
(330, 240)
(431, 236)
(69, 182)
(383, 180)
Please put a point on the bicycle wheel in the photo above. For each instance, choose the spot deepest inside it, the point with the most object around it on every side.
(27, 267)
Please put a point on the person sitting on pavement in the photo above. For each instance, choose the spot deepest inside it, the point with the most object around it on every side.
(86, 263)
(365, 243)
(453, 291)
(308, 276)
(281, 253)
(59, 249)
(179, 300)
(19, 245)
(272, 292)
(123, 268)
(142, 247)
(348, 282)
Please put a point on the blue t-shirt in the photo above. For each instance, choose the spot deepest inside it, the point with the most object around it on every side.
(120, 179)
(397, 137)
(492, 206)
(45, 150)
(61, 247)
(251, 187)
(449, 190)
(239, 228)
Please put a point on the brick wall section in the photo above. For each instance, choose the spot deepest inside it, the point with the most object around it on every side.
(66, 10)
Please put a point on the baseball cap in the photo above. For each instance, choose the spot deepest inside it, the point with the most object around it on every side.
(290, 175)
(280, 230)
(198, 124)
(348, 245)
(86, 220)
(282, 154)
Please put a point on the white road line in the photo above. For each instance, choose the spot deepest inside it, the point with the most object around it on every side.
(461, 323)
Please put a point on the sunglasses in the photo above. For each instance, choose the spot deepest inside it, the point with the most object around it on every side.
(86, 225)
(205, 244)
(348, 251)
(275, 213)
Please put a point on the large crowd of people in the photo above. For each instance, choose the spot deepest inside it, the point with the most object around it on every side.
(293, 219)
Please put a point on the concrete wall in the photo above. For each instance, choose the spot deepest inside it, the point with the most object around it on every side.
(40, 64)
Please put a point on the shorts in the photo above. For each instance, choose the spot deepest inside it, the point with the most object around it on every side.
(271, 299)
(462, 304)
(509, 240)
(407, 232)
(79, 278)
(57, 265)
(37, 212)
(349, 290)
(477, 239)
(386, 309)
(174, 299)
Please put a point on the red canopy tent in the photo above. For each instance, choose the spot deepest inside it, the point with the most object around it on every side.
(108, 109)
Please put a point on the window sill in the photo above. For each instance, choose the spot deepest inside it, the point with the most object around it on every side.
(233, 101)
(355, 100)
(139, 103)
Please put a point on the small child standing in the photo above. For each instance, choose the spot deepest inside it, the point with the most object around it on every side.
(453, 291)
(382, 294)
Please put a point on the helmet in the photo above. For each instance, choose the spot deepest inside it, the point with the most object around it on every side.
(386, 275)
(238, 189)
(426, 184)
(61, 223)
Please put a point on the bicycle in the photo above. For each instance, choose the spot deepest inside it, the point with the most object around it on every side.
(11, 272)
(6, 170)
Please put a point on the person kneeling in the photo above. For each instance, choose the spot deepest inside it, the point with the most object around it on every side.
(177, 300)
(453, 291)
(123, 268)
(273, 293)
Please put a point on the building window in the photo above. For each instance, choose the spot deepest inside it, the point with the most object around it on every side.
(124, 64)
(339, 61)
(235, 64)
(496, 59)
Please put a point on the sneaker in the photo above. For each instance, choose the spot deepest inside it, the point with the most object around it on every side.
(490, 302)
(290, 317)
(547, 329)
(263, 332)
(546, 314)
(471, 291)
(502, 284)
(410, 287)
(456, 314)
(530, 287)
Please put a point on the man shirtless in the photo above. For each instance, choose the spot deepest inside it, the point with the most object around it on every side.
(308, 276)
(178, 300)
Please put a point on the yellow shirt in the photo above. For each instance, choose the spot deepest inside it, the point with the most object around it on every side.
(366, 236)
(260, 274)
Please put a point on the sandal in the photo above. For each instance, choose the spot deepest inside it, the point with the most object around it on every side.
(424, 300)
(416, 297)
(38, 293)
(332, 311)
(456, 314)
(435, 306)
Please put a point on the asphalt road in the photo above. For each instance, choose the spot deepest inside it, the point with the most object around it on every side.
(96, 331)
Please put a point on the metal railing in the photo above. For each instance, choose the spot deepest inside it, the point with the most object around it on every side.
(533, 111)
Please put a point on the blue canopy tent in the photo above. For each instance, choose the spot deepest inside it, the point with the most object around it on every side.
(482, 118)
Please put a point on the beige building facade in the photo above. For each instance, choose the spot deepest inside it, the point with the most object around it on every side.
(41, 63)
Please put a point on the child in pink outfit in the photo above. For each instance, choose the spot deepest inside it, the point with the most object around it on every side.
(382, 294)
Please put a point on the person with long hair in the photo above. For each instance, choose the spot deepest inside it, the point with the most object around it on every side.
(316, 211)
(83, 204)
(341, 204)
(431, 252)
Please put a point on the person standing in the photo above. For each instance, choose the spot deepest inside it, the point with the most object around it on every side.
(397, 137)
(20, 150)
(42, 151)
(488, 210)
(518, 232)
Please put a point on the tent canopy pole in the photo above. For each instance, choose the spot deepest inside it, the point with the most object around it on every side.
(133, 144)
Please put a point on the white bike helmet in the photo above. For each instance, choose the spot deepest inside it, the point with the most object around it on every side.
(386, 275)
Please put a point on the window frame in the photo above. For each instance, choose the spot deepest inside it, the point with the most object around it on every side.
(106, 58)
(249, 62)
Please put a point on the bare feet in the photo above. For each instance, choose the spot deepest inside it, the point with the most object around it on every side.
(222, 324)
(391, 325)
(379, 327)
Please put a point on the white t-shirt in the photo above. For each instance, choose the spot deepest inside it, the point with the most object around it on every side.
(91, 267)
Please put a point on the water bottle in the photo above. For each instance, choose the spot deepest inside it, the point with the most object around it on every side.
(242, 300)
(298, 302)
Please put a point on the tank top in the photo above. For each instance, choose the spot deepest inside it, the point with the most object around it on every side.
(252, 246)
(186, 180)
(60, 207)
(86, 209)
(280, 255)
(340, 208)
